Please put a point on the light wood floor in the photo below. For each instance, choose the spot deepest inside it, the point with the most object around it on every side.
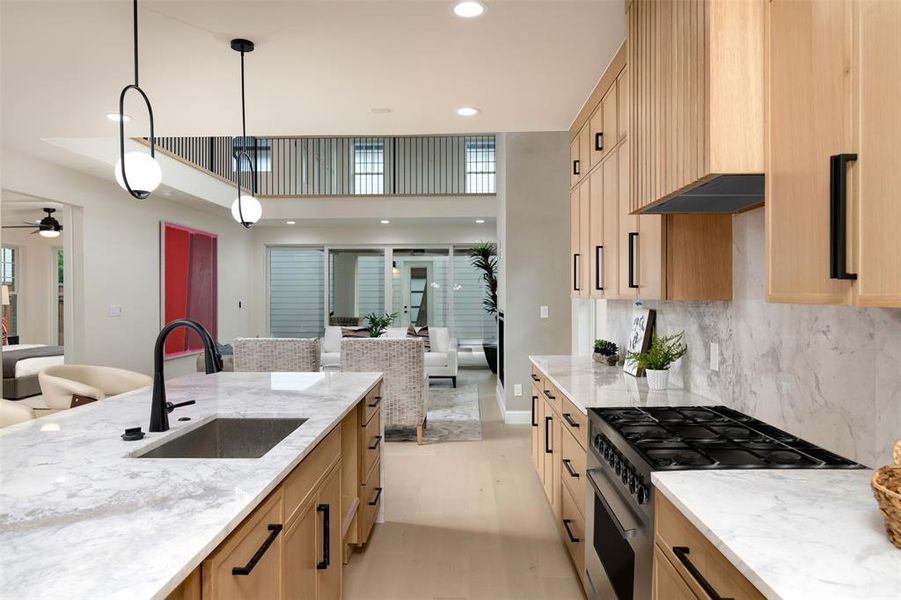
(464, 520)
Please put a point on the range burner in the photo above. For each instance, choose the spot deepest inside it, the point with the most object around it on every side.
(678, 458)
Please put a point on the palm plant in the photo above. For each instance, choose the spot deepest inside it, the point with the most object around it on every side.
(483, 256)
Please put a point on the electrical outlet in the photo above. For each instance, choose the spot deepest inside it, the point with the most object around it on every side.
(115, 311)
(543, 312)
(714, 356)
(517, 389)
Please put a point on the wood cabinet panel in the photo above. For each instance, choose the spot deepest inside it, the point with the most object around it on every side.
(536, 425)
(627, 239)
(574, 170)
(597, 247)
(370, 500)
(622, 104)
(668, 584)
(299, 566)
(551, 473)
(584, 238)
(573, 526)
(302, 481)
(372, 404)
(328, 538)
(372, 443)
(586, 145)
(540, 411)
(574, 420)
(575, 248)
(699, 257)
(573, 459)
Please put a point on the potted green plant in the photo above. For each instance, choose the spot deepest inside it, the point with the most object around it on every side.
(379, 323)
(483, 256)
(605, 351)
(657, 359)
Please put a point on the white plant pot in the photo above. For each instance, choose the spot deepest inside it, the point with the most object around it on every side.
(657, 380)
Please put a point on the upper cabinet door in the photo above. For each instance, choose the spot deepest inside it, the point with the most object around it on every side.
(574, 165)
(878, 173)
(597, 248)
(809, 120)
(574, 242)
(603, 127)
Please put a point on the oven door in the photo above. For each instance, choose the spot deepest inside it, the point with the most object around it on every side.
(618, 556)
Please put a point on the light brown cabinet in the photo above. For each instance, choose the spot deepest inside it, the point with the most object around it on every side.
(833, 125)
(580, 229)
(697, 103)
(688, 566)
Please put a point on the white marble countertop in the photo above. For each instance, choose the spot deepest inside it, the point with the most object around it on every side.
(795, 534)
(80, 518)
(590, 384)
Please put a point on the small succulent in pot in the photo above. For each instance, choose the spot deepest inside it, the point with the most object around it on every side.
(606, 351)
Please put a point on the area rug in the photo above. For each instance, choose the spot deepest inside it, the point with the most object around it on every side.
(453, 417)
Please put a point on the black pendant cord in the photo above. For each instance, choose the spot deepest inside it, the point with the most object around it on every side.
(140, 195)
(241, 155)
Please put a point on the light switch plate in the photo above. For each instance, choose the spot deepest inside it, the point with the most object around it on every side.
(517, 389)
(714, 356)
(544, 312)
(115, 311)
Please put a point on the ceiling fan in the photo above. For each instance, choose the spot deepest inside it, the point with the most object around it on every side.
(48, 227)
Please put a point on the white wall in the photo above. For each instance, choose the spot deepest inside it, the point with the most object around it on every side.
(535, 222)
(116, 262)
(35, 281)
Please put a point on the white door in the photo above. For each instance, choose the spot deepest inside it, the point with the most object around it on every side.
(416, 295)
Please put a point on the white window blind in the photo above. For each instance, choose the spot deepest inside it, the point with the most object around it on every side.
(296, 289)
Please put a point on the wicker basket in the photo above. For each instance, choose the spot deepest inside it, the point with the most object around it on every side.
(887, 489)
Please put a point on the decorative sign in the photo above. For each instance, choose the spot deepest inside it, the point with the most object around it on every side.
(639, 337)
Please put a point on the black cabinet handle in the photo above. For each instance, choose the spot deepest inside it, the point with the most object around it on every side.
(567, 464)
(633, 240)
(570, 421)
(575, 167)
(598, 263)
(569, 532)
(576, 258)
(534, 406)
(378, 440)
(375, 499)
(547, 435)
(377, 399)
(549, 395)
(838, 216)
(326, 558)
(599, 141)
(274, 530)
(535, 377)
(681, 553)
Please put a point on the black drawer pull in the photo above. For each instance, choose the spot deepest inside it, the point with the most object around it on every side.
(375, 499)
(547, 435)
(681, 553)
(569, 532)
(378, 440)
(549, 395)
(599, 141)
(376, 403)
(838, 216)
(567, 464)
(534, 406)
(569, 420)
(326, 523)
(274, 529)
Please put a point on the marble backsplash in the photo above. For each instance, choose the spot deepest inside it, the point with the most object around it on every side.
(829, 374)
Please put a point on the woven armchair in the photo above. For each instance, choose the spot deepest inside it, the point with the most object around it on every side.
(276, 355)
(404, 385)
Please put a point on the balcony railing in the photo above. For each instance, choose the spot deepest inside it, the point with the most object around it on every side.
(349, 166)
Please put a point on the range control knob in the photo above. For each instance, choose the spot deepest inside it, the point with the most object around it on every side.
(642, 494)
(632, 483)
(618, 466)
(625, 474)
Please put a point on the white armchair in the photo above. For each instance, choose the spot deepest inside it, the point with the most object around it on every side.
(67, 386)
(441, 359)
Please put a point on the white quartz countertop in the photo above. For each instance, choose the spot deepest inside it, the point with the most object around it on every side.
(81, 518)
(589, 384)
(795, 534)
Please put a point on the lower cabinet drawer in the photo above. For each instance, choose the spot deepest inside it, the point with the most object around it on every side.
(370, 501)
(372, 442)
(573, 525)
(536, 376)
(372, 404)
(573, 462)
(299, 484)
(575, 421)
(248, 563)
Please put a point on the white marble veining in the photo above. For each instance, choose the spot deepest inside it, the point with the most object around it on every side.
(589, 384)
(80, 518)
(794, 534)
(829, 374)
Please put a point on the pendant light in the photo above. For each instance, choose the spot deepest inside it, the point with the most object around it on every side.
(141, 174)
(246, 209)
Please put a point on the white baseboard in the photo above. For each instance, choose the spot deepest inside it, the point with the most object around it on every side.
(499, 396)
(518, 417)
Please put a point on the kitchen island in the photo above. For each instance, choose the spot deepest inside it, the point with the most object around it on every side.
(82, 517)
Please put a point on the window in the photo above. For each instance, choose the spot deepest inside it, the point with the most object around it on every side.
(9, 275)
(481, 164)
(472, 323)
(369, 167)
(296, 288)
(255, 147)
(356, 285)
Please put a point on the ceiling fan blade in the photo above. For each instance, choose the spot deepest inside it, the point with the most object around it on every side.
(19, 226)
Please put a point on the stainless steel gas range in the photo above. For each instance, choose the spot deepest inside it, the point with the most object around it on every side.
(627, 444)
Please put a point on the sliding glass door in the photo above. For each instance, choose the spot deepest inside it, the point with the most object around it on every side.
(356, 285)
(296, 292)
(419, 283)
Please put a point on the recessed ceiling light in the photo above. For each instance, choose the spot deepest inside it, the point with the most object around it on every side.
(480, 221)
(385, 221)
(290, 222)
(467, 111)
(469, 9)
(115, 117)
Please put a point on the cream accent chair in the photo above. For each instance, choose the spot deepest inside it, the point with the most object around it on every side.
(60, 384)
(405, 386)
(14, 412)
(276, 355)
(441, 357)
(331, 349)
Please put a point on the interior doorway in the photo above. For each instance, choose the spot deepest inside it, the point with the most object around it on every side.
(417, 292)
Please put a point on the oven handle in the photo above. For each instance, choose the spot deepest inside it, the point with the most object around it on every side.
(599, 495)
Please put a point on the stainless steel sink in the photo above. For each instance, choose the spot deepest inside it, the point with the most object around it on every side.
(227, 438)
